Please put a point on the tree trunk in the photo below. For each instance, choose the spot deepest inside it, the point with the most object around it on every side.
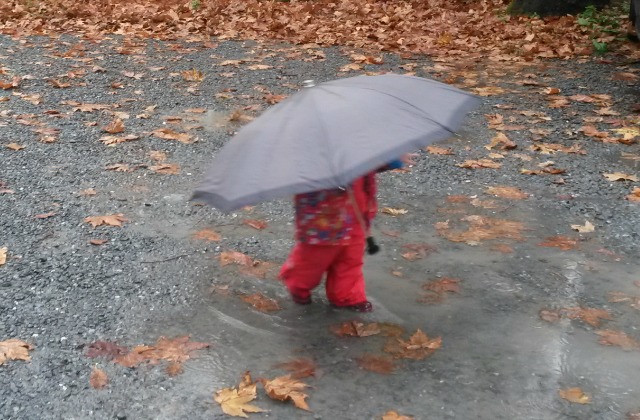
(553, 7)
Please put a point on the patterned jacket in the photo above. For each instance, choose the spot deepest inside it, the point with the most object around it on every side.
(328, 217)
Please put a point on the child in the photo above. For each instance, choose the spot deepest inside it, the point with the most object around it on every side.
(331, 231)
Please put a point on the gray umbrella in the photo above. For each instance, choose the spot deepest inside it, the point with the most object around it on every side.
(326, 136)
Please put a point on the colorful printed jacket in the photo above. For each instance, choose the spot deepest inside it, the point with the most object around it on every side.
(328, 217)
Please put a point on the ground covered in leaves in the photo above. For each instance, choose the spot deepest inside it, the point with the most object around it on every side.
(508, 270)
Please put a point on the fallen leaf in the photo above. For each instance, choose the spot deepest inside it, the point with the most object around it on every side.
(587, 228)
(235, 402)
(284, 388)
(207, 235)
(549, 315)
(502, 141)
(174, 369)
(435, 150)
(635, 195)
(110, 220)
(378, 364)
(14, 146)
(90, 107)
(105, 349)
(480, 163)
(299, 368)
(45, 215)
(394, 212)
(482, 228)
(193, 75)
(3, 255)
(234, 257)
(158, 156)
(14, 349)
(591, 316)
(97, 241)
(563, 242)
(177, 349)
(443, 285)
(168, 134)
(114, 127)
(98, 378)
(88, 192)
(619, 176)
(113, 140)
(119, 167)
(575, 395)
(618, 338)
(418, 347)
(261, 302)
(256, 224)
(355, 329)
(393, 415)
(166, 168)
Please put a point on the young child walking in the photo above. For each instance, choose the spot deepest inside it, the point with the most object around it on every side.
(332, 227)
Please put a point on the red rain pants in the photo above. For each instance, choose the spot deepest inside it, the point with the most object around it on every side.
(303, 271)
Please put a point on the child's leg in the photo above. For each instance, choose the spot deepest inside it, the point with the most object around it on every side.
(303, 270)
(345, 280)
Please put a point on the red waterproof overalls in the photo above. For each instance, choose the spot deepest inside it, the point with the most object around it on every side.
(330, 238)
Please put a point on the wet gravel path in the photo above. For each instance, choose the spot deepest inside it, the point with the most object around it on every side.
(149, 278)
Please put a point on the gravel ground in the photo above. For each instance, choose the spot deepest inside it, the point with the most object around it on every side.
(151, 278)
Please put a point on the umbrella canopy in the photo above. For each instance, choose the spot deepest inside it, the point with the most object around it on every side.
(326, 136)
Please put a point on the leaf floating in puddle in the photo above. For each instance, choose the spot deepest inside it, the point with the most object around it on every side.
(591, 316)
(378, 364)
(105, 349)
(575, 395)
(549, 315)
(565, 243)
(418, 347)
(618, 338)
(355, 329)
(285, 388)
(235, 402)
(261, 302)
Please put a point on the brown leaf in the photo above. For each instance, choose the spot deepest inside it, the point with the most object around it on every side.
(418, 347)
(299, 368)
(504, 248)
(261, 302)
(483, 228)
(481, 163)
(158, 156)
(586, 228)
(256, 224)
(177, 349)
(619, 176)
(88, 191)
(379, 364)
(393, 415)
(193, 75)
(507, 192)
(119, 167)
(635, 195)
(174, 369)
(3, 255)
(14, 349)
(110, 220)
(97, 242)
(168, 134)
(59, 84)
(618, 338)
(207, 235)
(105, 349)
(575, 395)
(549, 315)
(435, 150)
(502, 141)
(113, 140)
(166, 168)
(443, 285)
(98, 378)
(591, 316)
(14, 146)
(90, 107)
(565, 243)
(394, 212)
(355, 329)
(234, 257)
(235, 402)
(285, 388)
(45, 215)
